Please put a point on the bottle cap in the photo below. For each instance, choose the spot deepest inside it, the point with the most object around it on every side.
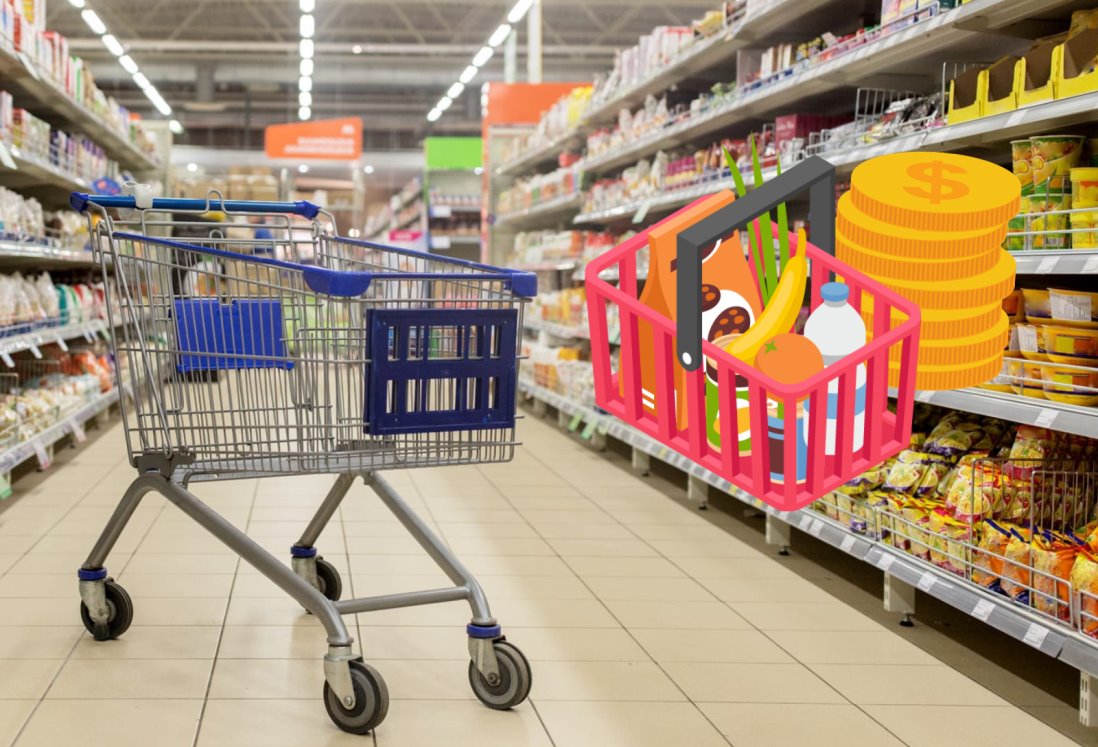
(835, 292)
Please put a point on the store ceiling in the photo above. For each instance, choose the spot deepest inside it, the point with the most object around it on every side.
(229, 67)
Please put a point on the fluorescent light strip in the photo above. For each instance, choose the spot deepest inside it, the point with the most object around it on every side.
(95, 23)
(307, 49)
(480, 59)
(112, 44)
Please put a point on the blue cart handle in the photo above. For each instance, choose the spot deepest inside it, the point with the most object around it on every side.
(80, 201)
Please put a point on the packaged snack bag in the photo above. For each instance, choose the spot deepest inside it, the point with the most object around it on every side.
(1084, 581)
(948, 541)
(1053, 557)
(987, 560)
(1017, 570)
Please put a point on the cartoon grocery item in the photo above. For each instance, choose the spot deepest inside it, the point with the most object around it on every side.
(838, 331)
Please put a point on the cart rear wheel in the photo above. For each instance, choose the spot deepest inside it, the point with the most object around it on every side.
(331, 585)
(121, 607)
(371, 701)
(514, 679)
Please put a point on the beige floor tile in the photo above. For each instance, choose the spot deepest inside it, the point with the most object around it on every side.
(448, 613)
(408, 643)
(7, 560)
(272, 723)
(577, 644)
(602, 680)
(669, 590)
(447, 515)
(766, 590)
(358, 530)
(254, 584)
(739, 682)
(701, 615)
(113, 723)
(366, 585)
(969, 724)
(146, 562)
(624, 567)
(627, 724)
(804, 616)
(460, 723)
(538, 613)
(274, 642)
(758, 566)
(13, 714)
(493, 546)
(39, 586)
(385, 565)
(61, 563)
(20, 612)
(573, 502)
(555, 517)
(246, 679)
(27, 678)
(40, 641)
(121, 679)
(664, 514)
(783, 724)
(561, 588)
(581, 531)
(693, 532)
(427, 679)
(153, 642)
(841, 647)
(21, 544)
(693, 645)
(267, 611)
(904, 684)
(723, 547)
(175, 585)
(174, 611)
(515, 565)
(631, 548)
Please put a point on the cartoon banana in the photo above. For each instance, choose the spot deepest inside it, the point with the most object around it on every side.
(780, 313)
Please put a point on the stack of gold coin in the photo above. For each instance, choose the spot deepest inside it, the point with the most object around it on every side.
(930, 226)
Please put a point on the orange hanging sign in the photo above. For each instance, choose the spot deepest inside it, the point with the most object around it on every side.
(333, 139)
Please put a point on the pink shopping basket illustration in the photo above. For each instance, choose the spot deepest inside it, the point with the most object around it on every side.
(786, 444)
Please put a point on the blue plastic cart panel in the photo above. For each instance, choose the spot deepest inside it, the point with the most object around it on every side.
(441, 370)
(245, 333)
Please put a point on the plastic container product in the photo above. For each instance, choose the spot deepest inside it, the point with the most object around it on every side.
(1052, 159)
(838, 331)
(1084, 194)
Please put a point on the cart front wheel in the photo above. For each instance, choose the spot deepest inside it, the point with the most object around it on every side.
(514, 679)
(371, 701)
(121, 608)
(331, 586)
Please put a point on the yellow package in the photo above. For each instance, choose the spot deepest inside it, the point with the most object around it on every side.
(1084, 581)
(1053, 557)
(1017, 569)
(987, 561)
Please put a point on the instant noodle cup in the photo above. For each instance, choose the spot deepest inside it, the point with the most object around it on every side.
(1026, 379)
(1052, 158)
(1077, 347)
(1084, 581)
(1049, 220)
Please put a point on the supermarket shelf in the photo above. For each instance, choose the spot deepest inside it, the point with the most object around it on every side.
(442, 243)
(1067, 262)
(565, 331)
(41, 442)
(43, 256)
(710, 53)
(49, 335)
(549, 265)
(1082, 421)
(547, 153)
(558, 207)
(51, 102)
(997, 611)
(948, 29)
(637, 211)
(446, 211)
(32, 173)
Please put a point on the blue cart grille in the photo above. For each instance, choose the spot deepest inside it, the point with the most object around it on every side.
(213, 336)
(440, 370)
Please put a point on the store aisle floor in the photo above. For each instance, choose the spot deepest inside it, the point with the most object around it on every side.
(645, 624)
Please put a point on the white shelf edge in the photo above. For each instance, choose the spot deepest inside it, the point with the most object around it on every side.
(1058, 642)
(1081, 421)
(562, 204)
(25, 450)
(50, 335)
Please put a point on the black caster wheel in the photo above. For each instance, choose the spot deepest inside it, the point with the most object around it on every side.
(121, 607)
(331, 585)
(514, 679)
(371, 701)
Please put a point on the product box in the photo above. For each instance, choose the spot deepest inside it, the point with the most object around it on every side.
(965, 95)
(1078, 71)
(1001, 90)
(1038, 71)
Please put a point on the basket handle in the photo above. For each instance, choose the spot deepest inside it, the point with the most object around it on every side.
(815, 175)
(81, 200)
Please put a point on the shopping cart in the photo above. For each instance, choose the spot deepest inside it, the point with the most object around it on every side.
(303, 353)
(770, 408)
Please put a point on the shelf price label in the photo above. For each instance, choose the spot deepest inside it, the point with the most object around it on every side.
(847, 543)
(5, 486)
(44, 460)
(815, 528)
(1091, 265)
(1045, 418)
(1047, 265)
(926, 581)
(642, 212)
(575, 423)
(1036, 635)
(983, 609)
(885, 562)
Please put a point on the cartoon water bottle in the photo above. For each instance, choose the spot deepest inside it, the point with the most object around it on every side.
(838, 330)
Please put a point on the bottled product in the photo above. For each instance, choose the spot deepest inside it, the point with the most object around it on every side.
(838, 330)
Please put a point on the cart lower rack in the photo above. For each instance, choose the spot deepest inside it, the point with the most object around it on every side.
(291, 351)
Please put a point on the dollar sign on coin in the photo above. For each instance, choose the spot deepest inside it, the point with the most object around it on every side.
(938, 186)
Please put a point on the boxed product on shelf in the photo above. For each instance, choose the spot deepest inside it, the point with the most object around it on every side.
(528, 192)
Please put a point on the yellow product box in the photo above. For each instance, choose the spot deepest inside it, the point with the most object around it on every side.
(1036, 78)
(1077, 72)
(1000, 89)
(966, 96)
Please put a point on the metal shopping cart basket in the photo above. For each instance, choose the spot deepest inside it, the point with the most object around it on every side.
(292, 351)
(771, 414)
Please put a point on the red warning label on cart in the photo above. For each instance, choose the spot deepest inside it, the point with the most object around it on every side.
(335, 139)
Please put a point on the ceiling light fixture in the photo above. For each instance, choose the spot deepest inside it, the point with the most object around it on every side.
(303, 169)
(112, 44)
(480, 59)
(192, 167)
(305, 98)
(307, 6)
(95, 23)
(176, 126)
(306, 67)
(308, 26)
(307, 49)
(76, 3)
(368, 169)
(141, 81)
(127, 64)
(305, 83)
(304, 113)
(356, 49)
